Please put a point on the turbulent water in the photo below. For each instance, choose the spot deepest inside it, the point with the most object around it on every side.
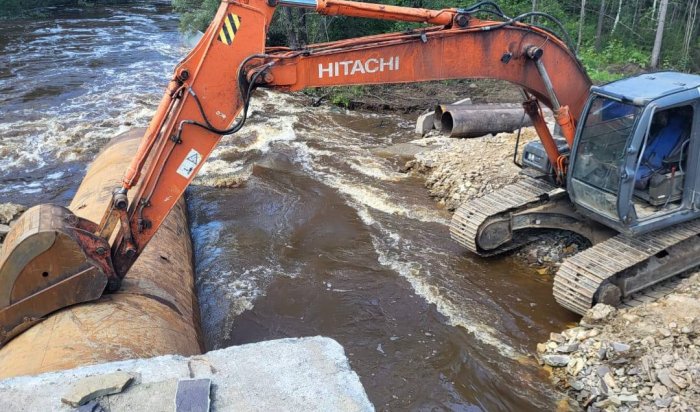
(299, 228)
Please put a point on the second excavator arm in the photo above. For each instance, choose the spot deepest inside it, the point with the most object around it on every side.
(211, 88)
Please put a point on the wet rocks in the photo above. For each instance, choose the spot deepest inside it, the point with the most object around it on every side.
(8, 213)
(632, 358)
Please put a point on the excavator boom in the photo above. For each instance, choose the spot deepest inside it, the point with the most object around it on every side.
(53, 259)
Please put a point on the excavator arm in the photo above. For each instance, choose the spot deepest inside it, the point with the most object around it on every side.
(208, 98)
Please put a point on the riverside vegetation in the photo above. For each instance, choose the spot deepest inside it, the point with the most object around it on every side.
(613, 38)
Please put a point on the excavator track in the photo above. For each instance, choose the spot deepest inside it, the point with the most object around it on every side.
(470, 218)
(652, 293)
(580, 277)
(639, 269)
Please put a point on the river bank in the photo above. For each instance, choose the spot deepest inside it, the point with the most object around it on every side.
(641, 358)
(413, 98)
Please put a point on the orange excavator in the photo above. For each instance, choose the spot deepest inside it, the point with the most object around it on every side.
(52, 259)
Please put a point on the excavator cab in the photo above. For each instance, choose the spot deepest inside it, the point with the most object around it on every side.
(634, 162)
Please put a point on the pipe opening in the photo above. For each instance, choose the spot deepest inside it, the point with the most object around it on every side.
(446, 123)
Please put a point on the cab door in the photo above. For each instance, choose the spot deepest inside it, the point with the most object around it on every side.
(658, 185)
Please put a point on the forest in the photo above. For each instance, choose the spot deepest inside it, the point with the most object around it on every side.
(613, 38)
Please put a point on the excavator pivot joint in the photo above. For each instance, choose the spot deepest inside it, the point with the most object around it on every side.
(120, 199)
(462, 20)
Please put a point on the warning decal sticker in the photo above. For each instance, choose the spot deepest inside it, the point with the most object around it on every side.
(228, 31)
(189, 164)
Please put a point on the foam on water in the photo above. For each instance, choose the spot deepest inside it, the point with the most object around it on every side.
(361, 193)
(389, 247)
(87, 85)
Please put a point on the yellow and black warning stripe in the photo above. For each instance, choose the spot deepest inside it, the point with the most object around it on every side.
(228, 31)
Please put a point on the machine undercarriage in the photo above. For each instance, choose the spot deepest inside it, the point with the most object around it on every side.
(617, 269)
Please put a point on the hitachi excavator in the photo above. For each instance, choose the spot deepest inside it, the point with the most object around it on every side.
(623, 175)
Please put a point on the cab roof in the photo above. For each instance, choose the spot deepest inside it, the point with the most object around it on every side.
(643, 88)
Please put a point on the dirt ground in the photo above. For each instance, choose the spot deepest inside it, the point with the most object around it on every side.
(417, 97)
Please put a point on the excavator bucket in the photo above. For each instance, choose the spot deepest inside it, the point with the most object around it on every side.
(50, 259)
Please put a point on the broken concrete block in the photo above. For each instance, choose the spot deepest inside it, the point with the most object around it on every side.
(425, 123)
(193, 395)
(96, 386)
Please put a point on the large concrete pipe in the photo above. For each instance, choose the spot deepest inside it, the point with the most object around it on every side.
(441, 108)
(479, 120)
(155, 313)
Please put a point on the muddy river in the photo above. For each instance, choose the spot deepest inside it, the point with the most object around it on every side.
(299, 228)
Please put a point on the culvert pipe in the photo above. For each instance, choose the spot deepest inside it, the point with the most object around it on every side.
(155, 312)
(440, 109)
(480, 120)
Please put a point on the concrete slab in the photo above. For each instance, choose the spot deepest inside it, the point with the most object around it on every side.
(310, 374)
(425, 123)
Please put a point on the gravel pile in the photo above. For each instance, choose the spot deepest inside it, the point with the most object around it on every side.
(457, 170)
(641, 358)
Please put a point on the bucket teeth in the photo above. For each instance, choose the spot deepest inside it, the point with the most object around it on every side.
(50, 259)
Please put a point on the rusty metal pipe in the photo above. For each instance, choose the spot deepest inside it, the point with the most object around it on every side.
(155, 313)
(468, 121)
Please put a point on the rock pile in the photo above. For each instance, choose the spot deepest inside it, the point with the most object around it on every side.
(457, 170)
(8, 213)
(641, 358)
(549, 251)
